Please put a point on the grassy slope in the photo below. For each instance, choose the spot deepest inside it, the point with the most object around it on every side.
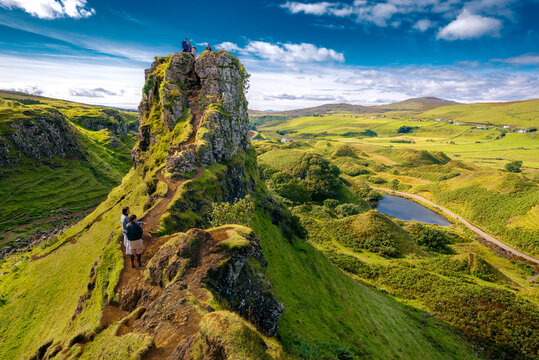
(39, 297)
(519, 113)
(330, 308)
(484, 147)
(32, 191)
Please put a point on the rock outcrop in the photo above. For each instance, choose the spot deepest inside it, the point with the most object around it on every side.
(175, 297)
(39, 135)
(205, 99)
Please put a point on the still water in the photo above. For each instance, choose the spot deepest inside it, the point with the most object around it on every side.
(405, 209)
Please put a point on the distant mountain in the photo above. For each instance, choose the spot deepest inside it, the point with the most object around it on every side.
(415, 104)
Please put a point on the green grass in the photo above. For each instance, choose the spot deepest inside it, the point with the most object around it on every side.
(42, 295)
(35, 190)
(331, 314)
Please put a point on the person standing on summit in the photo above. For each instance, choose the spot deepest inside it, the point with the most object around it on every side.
(189, 49)
(185, 48)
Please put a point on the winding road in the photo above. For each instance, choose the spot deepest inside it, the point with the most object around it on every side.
(471, 226)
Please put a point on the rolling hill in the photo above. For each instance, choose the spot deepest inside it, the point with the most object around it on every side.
(57, 158)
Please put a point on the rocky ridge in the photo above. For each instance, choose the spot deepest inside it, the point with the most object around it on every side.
(194, 116)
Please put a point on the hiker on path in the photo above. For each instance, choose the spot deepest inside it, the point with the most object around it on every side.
(194, 52)
(134, 235)
(124, 220)
(184, 45)
(208, 47)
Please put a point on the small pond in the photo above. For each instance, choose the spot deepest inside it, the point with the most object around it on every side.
(405, 209)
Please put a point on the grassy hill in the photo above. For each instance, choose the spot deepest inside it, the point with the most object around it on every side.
(442, 270)
(521, 114)
(60, 158)
(492, 145)
(54, 301)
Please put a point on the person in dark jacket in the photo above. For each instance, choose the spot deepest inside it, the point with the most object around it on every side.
(189, 48)
(134, 231)
(208, 47)
(185, 48)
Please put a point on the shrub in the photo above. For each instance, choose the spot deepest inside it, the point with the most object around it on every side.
(405, 130)
(514, 166)
(428, 238)
(345, 210)
(377, 180)
(331, 203)
(238, 212)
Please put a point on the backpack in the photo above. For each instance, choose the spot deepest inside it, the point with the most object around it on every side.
(133, 231)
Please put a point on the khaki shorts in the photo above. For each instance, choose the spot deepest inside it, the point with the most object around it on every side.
(136, 244)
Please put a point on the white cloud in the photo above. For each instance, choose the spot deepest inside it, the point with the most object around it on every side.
(521, 60)
(319, 8)
(280, 88)
(51, 9)
(289, 54)
(477, 17)
(94, 93)
(117, 84)
(470, 26)
(227, 46)
(423, 25)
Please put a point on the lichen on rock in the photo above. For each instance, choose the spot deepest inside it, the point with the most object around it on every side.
(212, 89)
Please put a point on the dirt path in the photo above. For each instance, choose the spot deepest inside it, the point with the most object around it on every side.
(475, 229)
(131, 275)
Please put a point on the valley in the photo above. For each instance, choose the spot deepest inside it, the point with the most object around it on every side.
(259, 248)
(59, 161)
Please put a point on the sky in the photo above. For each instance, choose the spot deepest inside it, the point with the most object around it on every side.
(299, 53)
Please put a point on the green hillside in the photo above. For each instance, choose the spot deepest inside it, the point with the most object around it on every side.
(441, 270)
(521, 114)
(59, 158)
(74, 297)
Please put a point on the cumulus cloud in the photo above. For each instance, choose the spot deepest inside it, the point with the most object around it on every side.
(95, 93)
(282, 89)
(56, 77)
(470, 26)
(30, 90)
(227, 46)
(51, 9)
(474, 18)
(289, 54)
(521, 60)
(423, 25)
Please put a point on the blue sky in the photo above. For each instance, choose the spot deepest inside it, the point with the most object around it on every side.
(300, 53)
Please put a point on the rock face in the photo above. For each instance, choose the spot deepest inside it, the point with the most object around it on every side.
(175, 294)
(44, 135)
(204, 99)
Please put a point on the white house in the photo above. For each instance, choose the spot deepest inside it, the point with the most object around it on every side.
(284, 140)
(522, 131)
(507, 127)
(481, 127)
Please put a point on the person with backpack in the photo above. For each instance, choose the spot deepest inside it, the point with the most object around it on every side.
(134, 235)
(124, 220)
(194, 52)
(189, 48)
(208, 47)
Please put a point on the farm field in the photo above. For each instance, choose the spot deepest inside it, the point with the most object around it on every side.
(493, 146)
